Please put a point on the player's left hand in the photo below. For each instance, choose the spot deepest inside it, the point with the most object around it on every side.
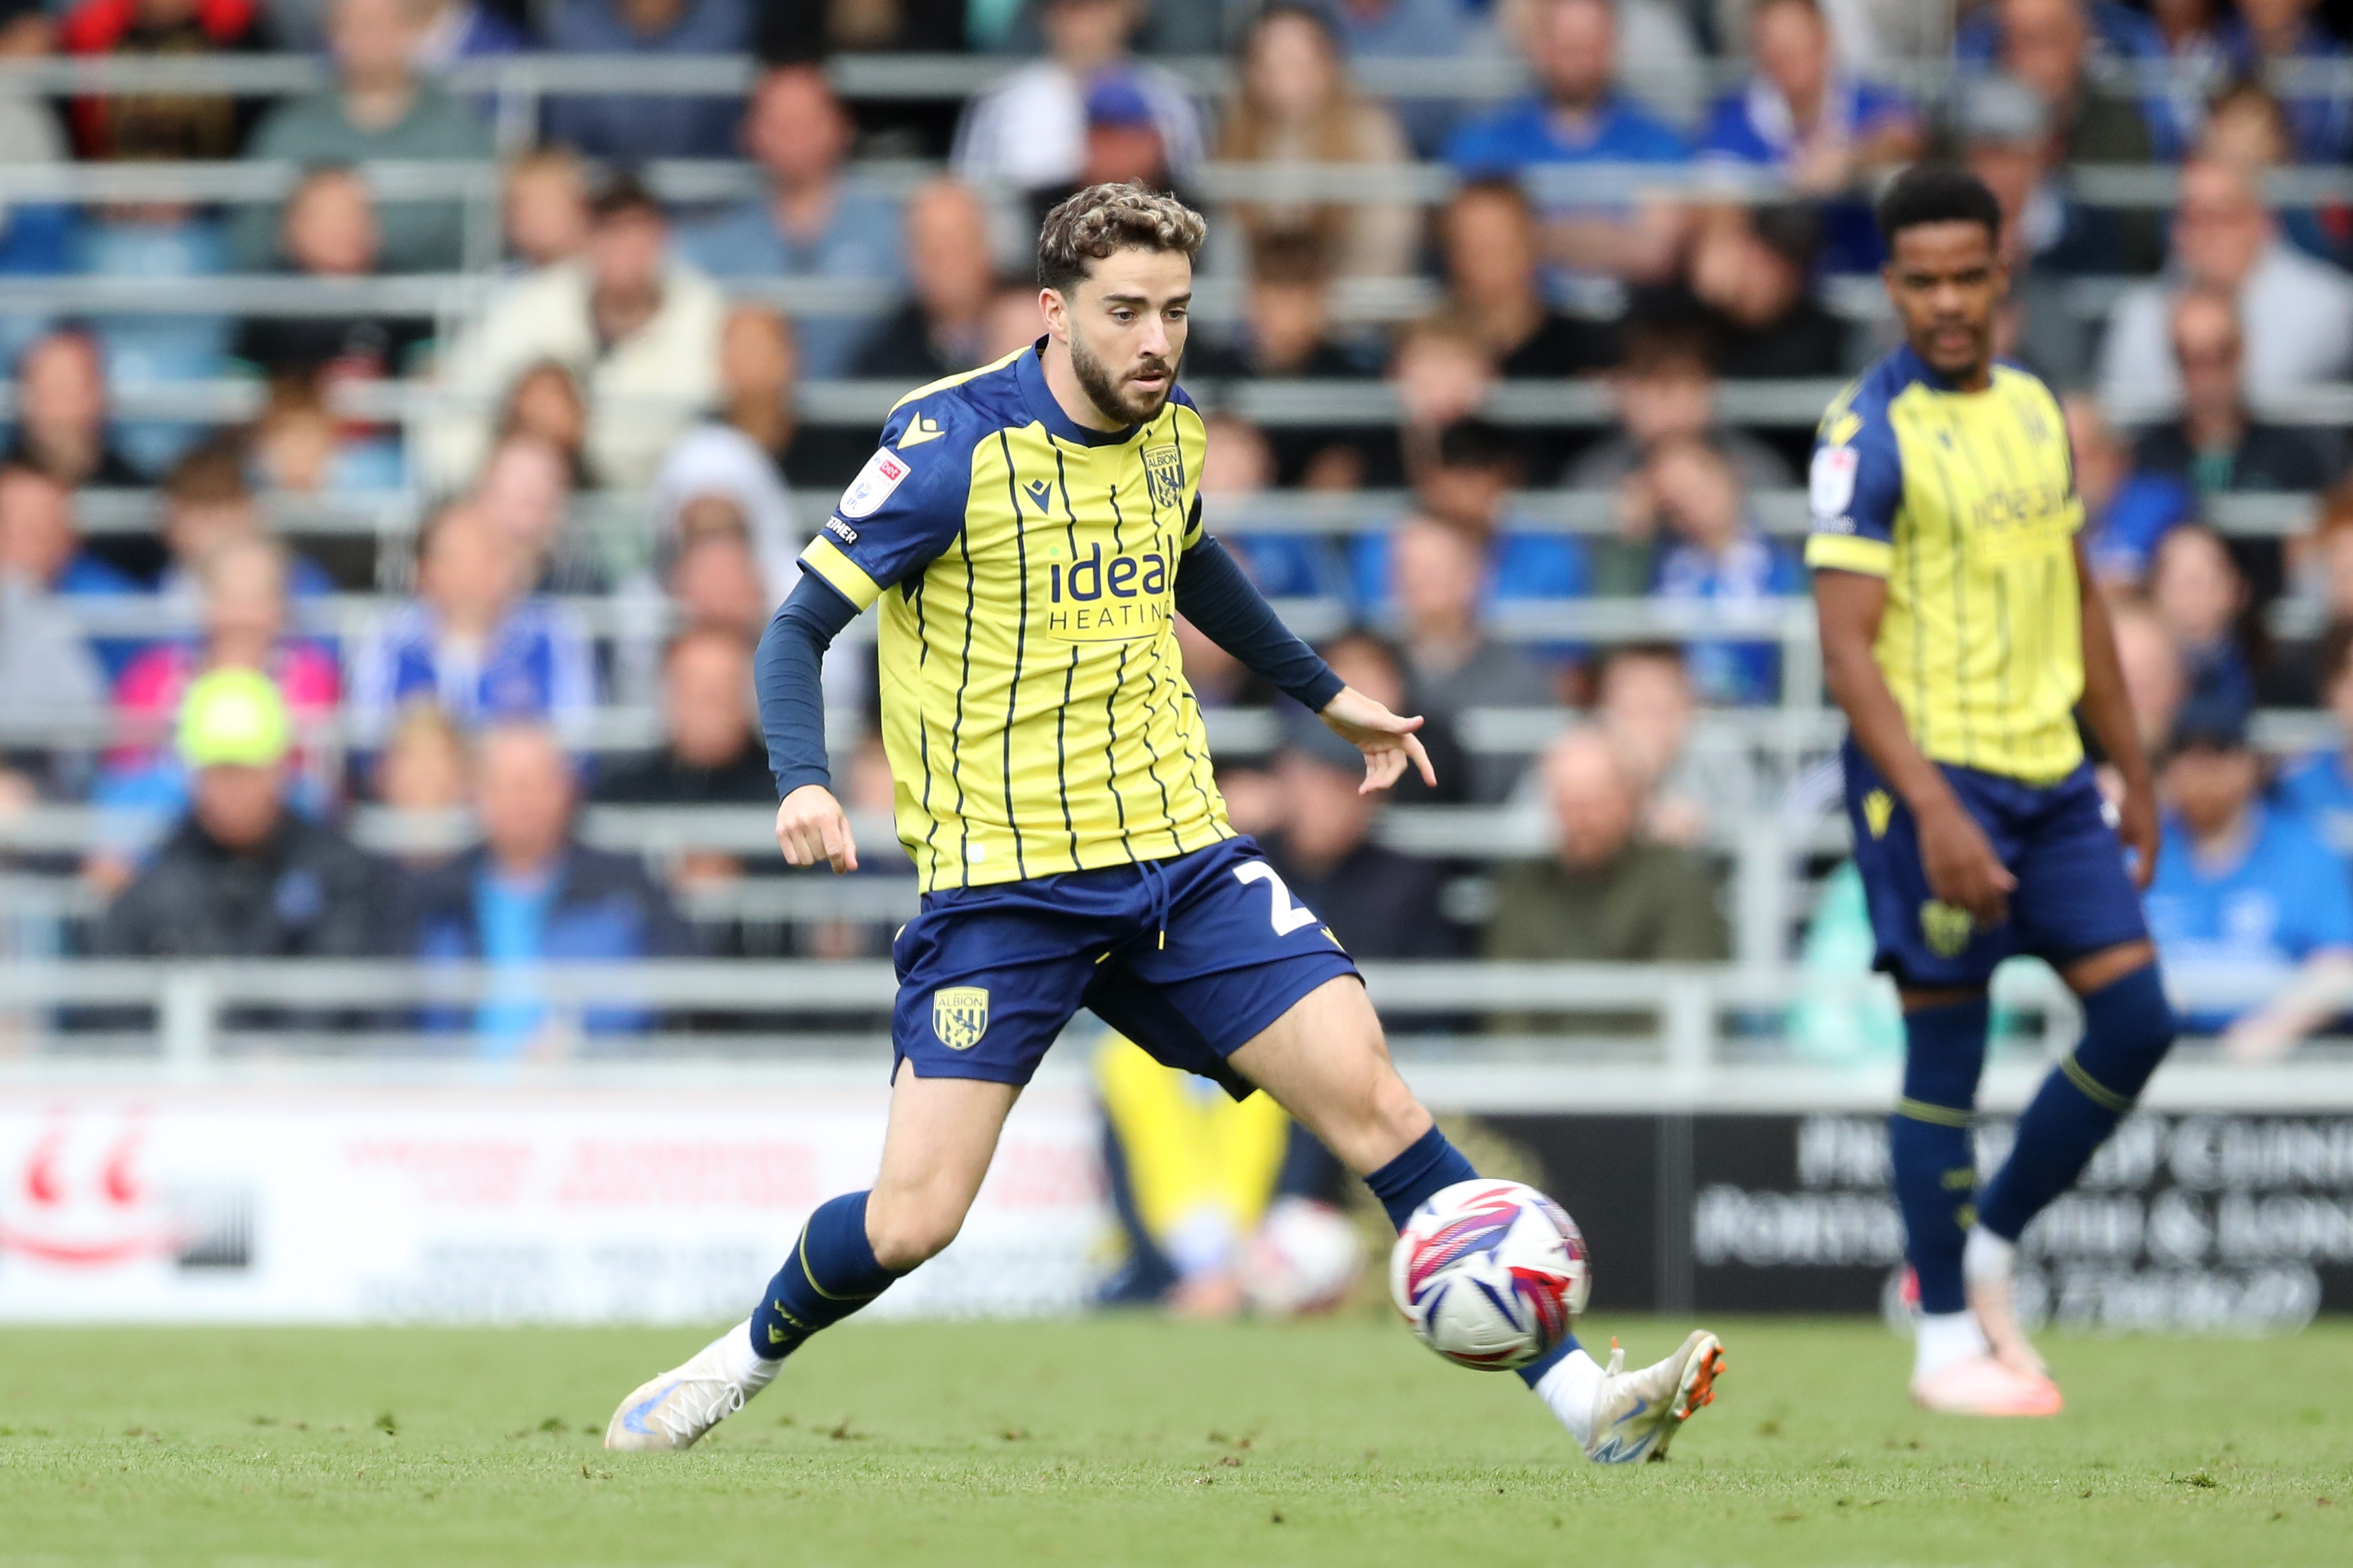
(1387, 740)
(2137, 826)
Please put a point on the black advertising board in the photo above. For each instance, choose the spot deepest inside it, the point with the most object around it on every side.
(2238, 1222)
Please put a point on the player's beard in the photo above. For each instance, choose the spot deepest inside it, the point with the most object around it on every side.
(1113, 395)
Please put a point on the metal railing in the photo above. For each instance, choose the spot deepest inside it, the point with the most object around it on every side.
(1689, 1028)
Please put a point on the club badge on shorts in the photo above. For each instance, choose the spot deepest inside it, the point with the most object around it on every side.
(960, 1015)
(1947, 926)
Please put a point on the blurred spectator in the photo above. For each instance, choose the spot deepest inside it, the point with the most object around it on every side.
(301, 448)
(2295, 314)
(1689, 783)
(1286, 333)
(2216, 446)
(1030, 129)
(1377, 902)
(1296, 105)
(2127, 509)
(1488, 241)
(545, 207)
(168, 248)
(1813, 123)
(714, 754)
(639, 331)
(2284, 35)
(1466, 484)
(1577, 115)
(36, 237)
(1752, 272)
(719, 463)
(1667, 388)
(472, 640)
(1440, 581)
(61, 415)
(634, 127)
(2156, 684)
(533, 894)
(940, 331)
(811, 222)
(715, 583)
(1124, 145)
(2048, 237)
(2196, 590)
(759, 382)
(422, 776)
(2248, 127)
(46, 667)
(1413, 31)
(329, 230)
(379, 111)
(525, 493)
(242, 875)
(1237, 465)
(1610, 894)
(206, 505)
(147, 126)
(2049, 46)
(41, 549)
(2245, 895)
(243, 587)
(1711, 558)
(2320, 786)
(450, 32)
(1015, 322)
(545, 401)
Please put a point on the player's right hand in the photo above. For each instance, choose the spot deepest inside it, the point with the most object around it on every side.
(813, 829)
(1962, 868)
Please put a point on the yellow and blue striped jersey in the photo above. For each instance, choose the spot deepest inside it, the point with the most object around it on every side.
(1034, 702)
(1965, 504)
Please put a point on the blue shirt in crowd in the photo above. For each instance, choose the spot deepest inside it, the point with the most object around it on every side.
(860, 242)
(635, 129)
(1531, 132)
(1519, 566)
(1751, 571)
(2123, 539)
(2319, 790)
(2286, 897)
(1756, 127)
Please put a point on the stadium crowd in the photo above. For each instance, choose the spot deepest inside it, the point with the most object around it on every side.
(615, 457)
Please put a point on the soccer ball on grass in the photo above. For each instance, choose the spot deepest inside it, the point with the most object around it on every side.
(1490, 1274)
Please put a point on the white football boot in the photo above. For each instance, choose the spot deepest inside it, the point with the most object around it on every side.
(1989, 1278)
(1985, 1385)
(1637, 1414)
(677, 1408)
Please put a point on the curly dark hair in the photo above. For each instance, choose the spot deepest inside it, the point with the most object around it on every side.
(1101, 219)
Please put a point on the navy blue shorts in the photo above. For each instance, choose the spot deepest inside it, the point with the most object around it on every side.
(1190, 957)
(2073, 897)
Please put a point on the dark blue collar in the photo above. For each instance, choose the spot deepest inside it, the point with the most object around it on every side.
(1917, 369)
(1032, 370)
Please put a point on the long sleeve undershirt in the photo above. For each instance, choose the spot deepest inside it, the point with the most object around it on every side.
(1211, 592)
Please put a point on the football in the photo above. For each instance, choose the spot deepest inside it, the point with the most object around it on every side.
(1304, 1258)
(1490, 1274)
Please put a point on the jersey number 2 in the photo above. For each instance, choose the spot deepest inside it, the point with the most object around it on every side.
(1281, 913)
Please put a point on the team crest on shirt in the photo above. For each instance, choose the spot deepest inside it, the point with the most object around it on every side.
(960, 1015)
(1830, 486)
(1947, 926)
(1164, 471)
(1878, 807)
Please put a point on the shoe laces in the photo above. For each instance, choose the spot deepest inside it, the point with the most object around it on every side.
(686, 1419)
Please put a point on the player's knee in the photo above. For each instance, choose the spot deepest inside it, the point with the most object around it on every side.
(909, 1232)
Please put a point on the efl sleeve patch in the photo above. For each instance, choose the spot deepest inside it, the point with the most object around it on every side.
(1830, 486)
(883, 473)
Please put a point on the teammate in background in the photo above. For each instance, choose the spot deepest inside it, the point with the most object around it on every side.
(1960, 630)
(1032, 530)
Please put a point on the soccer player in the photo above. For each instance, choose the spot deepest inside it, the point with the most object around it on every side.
(1962, 633)
(1030, 530)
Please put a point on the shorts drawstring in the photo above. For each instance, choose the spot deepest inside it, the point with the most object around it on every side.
(1160, 897)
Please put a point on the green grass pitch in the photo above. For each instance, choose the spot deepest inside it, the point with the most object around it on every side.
(1133, 1440)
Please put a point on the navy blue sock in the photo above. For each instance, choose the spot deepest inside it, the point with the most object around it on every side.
(1430, 1165)
(1928, 1147)
(831, 1274)
(2128, 1028)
